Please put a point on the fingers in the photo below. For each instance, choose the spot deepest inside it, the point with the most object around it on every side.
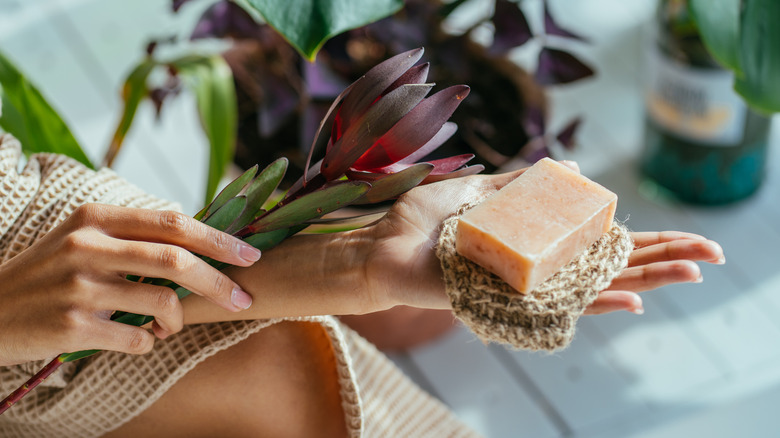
(613, 301)
(647, 238)
(180, 266)
(655, 275)
(168, 227)
(146, 299)
(683, 249)
(115, 336)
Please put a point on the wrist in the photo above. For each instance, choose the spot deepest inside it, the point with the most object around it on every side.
(352, 253)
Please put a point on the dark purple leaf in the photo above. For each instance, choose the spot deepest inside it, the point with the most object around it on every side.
(466, 171)
(552, 28)
(226, 19)
(414, 130)
(370, 126)
(280, 100)
(177, 4)
(535, 150)
(374, 82)
(533, 121)
(321, 81)
(566, 136)
(511, 27)
(158, 95)
(559, 67)
(446, 131)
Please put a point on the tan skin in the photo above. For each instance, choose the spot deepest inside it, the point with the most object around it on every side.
(78, 278)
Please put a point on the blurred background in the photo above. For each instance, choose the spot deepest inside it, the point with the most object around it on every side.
(704, 360)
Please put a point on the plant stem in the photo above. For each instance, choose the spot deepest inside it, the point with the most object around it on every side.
(28, 386)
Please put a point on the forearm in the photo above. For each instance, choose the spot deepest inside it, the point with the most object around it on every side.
(306, 275)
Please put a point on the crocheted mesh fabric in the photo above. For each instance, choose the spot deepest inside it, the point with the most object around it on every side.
(543, 319)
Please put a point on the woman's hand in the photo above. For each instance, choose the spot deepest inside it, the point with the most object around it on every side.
(659, 259)
(58, 295)
(403, 268)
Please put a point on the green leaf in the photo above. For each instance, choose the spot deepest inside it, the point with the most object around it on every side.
(312, 205)
(395, 184)
(133, 91)
(341, 224)
(70, 357)
(28, 116)
(267, 240)
(307, 24)
(227, 214)
(760, 55)
(211, 79)
(718, 24)
(229, 192)
(264, 185)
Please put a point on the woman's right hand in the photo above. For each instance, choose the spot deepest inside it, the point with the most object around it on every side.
(58, 295)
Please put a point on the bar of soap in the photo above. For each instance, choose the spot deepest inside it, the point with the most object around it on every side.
(535, 225)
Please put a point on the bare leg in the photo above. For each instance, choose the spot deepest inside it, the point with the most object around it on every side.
(280, 382)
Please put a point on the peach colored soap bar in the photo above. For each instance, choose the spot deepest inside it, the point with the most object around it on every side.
(535, 225)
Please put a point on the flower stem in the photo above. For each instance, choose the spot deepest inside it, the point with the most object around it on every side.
(29, 385)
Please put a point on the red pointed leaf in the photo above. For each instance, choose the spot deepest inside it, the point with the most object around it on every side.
(559, 67)
(371, 126)
(374, 82)
(442, 165)
(444, 134)
(415, 75)
(449, 164)
(322, 137)
(466, 171)
(414, 130)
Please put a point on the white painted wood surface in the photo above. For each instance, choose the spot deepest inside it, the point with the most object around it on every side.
(704, 360)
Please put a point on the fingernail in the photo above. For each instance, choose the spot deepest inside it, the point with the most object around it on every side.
(638, 308)
(699, 279)
(248, 252)
(240, 299)
(721, 260)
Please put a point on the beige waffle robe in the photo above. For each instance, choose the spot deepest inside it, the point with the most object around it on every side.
(95, 395)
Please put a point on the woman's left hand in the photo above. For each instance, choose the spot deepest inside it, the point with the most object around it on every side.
(658, 259)
(403, 269)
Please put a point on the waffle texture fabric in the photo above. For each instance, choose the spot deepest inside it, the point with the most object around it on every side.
(93, 396)
(543, 319)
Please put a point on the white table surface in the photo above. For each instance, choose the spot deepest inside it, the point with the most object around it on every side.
(704, 360)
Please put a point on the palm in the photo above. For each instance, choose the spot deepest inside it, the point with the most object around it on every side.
(404, 265)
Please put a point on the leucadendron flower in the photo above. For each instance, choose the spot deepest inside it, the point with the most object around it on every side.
(375, 133)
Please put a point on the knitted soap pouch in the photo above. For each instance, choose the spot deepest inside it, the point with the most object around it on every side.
(543, 319)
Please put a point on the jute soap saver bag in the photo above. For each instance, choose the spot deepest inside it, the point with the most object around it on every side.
(543, 319)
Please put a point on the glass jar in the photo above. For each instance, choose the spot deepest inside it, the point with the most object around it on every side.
(702, 143)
